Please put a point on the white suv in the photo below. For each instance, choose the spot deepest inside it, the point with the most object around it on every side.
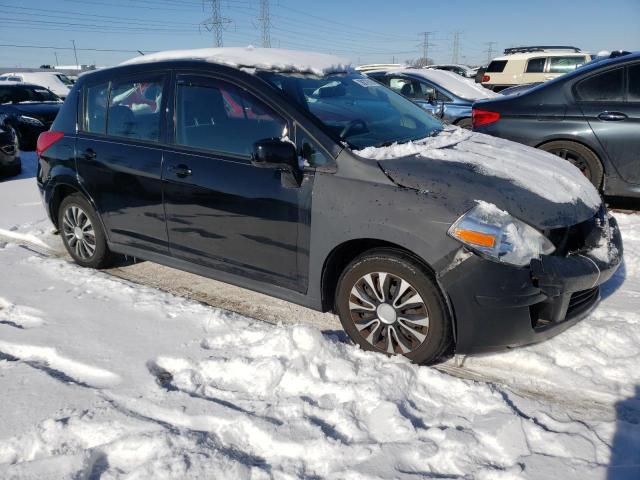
(531, 65)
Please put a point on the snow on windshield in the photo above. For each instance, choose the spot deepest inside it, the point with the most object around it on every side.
(456, 84)
(539, 172)
(272, 59)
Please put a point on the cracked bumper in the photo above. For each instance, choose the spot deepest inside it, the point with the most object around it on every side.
(498, 306)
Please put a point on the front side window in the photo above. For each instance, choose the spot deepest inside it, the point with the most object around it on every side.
(216, 115)
(356, 110)
(604, 87)
(536, 65)
(134, 109)
(564, 64)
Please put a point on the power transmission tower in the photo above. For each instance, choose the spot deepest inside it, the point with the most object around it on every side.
(489, 51)
(265, 23)
(216, 22)
(425, 46)
(456, 47)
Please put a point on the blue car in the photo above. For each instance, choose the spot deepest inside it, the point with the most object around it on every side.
(445, 95)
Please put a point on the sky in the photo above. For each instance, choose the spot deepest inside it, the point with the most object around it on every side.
(372, 31)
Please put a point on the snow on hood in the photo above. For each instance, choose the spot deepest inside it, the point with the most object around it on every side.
(539, 172)
(456, 84)
(272, 59)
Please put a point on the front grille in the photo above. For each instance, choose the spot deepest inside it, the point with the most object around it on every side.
(581, 301)
(580, 237)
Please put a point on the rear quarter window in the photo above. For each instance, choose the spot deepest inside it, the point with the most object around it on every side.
(497, 66)
(536, 65)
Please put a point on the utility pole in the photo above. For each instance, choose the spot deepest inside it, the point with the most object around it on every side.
(265, 22)
(456, 47)
(489, 51)
(425, 46)
(74, 51)
(56, 54)
(216, 22)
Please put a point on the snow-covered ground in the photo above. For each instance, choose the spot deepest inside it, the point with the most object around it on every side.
(101, 377)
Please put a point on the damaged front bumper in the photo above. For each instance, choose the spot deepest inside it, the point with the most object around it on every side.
(497, 306)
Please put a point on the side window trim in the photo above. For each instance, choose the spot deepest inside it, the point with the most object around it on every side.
(172, 121)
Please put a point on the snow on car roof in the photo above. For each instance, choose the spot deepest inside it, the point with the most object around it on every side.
(273, 59)
(456, 84)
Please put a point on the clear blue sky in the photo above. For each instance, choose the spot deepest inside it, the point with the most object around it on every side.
(364, 31)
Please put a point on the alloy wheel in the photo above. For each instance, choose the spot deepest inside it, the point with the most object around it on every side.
(575, 158)
(78, 232)
(389, 313)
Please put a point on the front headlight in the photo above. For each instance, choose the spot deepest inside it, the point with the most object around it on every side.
(495, 234)
(31, 121)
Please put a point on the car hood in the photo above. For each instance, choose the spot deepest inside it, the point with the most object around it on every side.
(464, 167)
(42, 111)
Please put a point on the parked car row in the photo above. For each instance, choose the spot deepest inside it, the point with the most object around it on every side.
(293, 175)
(58, 83)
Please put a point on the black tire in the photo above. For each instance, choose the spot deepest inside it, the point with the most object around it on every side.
(582, 157)
(465, 123)
(398, 266)
(98, 257)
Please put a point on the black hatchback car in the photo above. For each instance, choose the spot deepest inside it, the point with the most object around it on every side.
(293, 175)
(27, 111)
(590, 117)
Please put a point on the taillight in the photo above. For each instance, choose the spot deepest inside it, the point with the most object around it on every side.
(46, 140)
(485, 78)
(483, 117)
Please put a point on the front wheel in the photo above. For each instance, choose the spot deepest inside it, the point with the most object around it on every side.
(389, 303)
(82, 233)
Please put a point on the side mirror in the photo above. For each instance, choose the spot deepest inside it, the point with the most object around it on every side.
(275, 153)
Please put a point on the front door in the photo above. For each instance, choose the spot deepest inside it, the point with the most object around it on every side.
(222, 211)
(610, 101)
(119, 158)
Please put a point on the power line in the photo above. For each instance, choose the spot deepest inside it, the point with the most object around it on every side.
(489, 51)
(216, 22)
(265, 22)
(425, 46)
(456, 47)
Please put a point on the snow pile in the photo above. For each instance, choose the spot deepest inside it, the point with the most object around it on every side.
(272, 59)
(454, 83)
(540, 172)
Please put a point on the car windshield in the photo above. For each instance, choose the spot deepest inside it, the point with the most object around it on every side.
(355, 109)
(22, 94)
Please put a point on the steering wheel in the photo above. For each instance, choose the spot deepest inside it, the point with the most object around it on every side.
(350, 125)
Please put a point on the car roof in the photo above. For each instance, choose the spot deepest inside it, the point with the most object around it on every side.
(264, 59)
(449, 81)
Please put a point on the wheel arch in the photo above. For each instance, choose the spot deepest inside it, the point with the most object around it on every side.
(61, 191)
(595, 151)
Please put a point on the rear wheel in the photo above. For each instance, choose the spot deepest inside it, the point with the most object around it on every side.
(387, 302)
(82, 233)
(584, 159)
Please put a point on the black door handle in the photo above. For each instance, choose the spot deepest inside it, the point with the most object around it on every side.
(181, 170)
(90, 154)
(612, 116)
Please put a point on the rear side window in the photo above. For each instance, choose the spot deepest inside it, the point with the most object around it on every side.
(634, 83)
(95, 116)
(536, 65)
(564, 64)
(218, 116)
(605, 87)
(497, 66)
(134, 109)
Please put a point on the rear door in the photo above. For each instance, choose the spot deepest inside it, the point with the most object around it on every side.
(222, 211)
(119, 157)
(610, 101)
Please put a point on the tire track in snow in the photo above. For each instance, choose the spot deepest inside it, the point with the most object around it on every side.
(57, 366)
